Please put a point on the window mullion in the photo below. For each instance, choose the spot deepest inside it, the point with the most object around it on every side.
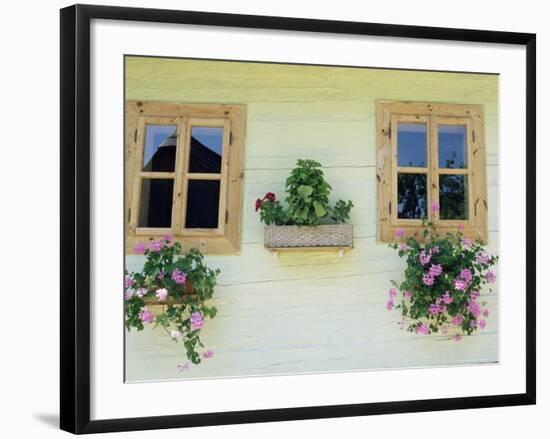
(471, 188)
(433, 177)
(202, 176)
(157, 174)
(180, 193)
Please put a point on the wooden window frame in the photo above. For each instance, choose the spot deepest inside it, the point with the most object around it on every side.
(226, 238)
(388, 114)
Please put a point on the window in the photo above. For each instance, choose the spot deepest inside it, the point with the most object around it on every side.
(430, 166)
(184, 173)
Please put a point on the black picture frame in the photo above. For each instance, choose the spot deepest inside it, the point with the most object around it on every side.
(75, 217)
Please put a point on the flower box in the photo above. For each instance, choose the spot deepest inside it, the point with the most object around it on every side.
(190, 292)
(327, 235)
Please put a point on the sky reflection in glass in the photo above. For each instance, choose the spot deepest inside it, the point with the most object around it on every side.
(453, 150)
(411, 145)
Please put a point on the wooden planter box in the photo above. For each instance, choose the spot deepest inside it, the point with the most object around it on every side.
(152, 301)
(337, 236)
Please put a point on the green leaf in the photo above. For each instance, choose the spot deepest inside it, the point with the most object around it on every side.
(319, 209)
(305, 191)
(301, 213)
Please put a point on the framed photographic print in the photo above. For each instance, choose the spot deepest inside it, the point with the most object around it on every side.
(268, 218)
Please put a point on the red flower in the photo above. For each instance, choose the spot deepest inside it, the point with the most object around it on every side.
(270, 196)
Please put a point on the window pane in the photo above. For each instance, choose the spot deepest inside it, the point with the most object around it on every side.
(159, 154)
(203, 200)
(156, 202)
(411, 196)
(411, 145)
(453, 149)
(453, 197)
(206, 150)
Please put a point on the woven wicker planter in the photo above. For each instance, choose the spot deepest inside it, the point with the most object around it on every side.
(329, 235)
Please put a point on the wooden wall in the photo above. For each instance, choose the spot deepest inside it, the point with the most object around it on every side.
(309, 312)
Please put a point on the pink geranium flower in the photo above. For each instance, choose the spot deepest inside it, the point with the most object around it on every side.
(457, 320)
(434, 309)
(389, 304)
(447, 299)
(399, 233)
(146, 316)
(482, 258)
(422, 329)
(139, 248)
(392, 293)
(183, 366)
(424, 257)
(457, 337)
(179, 277)
(435, 207)
(128, 281)
(460, 284)
(482, 324)
(162, 294)
(427, 279)
(197, 320)
(140, 292)
(466, 242)
(407, 295)
(168, 238)
(474, 308)
(208, 354)
(156, 245)
(490, 276)
(435, 269)
(466, 275)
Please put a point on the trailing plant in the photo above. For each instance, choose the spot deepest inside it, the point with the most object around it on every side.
(443, 277)
(307, 200)
(182, 283)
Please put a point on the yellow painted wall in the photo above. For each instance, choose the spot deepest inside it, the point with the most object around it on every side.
(309, 312)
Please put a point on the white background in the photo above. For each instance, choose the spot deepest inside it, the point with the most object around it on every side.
(112, 398)
(29, 78)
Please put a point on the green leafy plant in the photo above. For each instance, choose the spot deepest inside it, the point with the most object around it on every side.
(341, 211)
(307, 200)
(443, 277)
(308, 193)
(181, 284)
